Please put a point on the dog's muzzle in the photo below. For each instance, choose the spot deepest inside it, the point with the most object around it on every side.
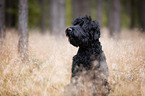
(68, 31)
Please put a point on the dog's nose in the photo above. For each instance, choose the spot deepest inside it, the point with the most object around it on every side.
(68, 29)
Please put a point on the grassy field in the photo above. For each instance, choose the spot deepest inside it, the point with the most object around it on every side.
(49, 68)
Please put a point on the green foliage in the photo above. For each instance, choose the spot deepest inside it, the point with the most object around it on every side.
(93, 9)
(13, 10)
(125, 20)
(105, 14)
(34, 13)
(68, 12)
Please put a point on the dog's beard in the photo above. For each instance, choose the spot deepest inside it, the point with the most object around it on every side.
(73, 41)
(83, 42)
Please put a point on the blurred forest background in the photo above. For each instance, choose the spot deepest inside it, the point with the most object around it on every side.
(57, 14)
(41, 25)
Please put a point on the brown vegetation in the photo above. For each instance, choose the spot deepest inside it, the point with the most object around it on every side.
(48, 70)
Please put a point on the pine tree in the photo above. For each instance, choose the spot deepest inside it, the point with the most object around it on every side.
(23, 30)
(2, 22)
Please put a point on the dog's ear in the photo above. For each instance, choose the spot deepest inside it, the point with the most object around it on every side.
(95, 30)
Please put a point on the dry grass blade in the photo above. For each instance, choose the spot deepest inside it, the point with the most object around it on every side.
(48, 71)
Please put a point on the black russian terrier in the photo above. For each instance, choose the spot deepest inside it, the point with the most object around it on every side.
(89, 62)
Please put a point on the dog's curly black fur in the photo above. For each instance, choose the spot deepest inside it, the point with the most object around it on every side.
(85, 34)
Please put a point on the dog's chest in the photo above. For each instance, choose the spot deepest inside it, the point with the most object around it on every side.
(83, 55)
(83, 58)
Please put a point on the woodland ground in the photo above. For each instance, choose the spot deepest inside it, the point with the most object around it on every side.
(49, 68)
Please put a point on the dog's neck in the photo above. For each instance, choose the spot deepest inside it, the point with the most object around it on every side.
(85, 53)
(94, 48)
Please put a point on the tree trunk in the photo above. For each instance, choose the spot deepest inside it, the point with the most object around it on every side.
(142, 14)
(75, 8)
(80, 8)
(2, 22)
(43, 23)
(99, 12)
(62, 14)
(84, 7)
(115, 18)
(57, 16)
(23, 30)
(54, 16)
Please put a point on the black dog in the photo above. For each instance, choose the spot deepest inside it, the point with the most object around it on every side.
(85, 34)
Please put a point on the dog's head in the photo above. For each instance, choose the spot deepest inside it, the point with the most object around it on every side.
(83, 31)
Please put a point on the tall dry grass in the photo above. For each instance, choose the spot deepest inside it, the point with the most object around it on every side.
(49, 68)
